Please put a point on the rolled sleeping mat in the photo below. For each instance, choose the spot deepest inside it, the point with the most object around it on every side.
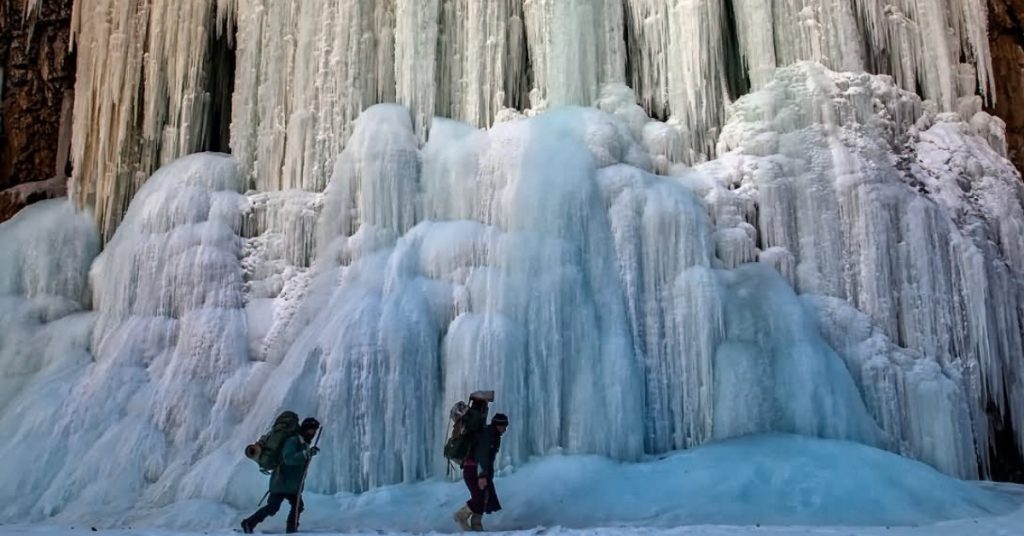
(253, 451)
(486, 396)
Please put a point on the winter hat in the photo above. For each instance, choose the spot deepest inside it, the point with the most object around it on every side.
(500, 419)
(309, 422)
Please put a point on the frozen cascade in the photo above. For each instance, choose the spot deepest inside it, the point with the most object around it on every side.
(773, 349)
(909, 395)
(615, 311)
(169, 338)
(860, 193)
(137, 60)
(307, 69)
(48, 248)
(508, 293)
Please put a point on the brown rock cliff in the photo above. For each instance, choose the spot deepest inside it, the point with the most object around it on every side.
(38, 75)
(1006, 39)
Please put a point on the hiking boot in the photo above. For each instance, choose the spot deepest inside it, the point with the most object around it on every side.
(476, 522)
(247, 526)
(462, 518)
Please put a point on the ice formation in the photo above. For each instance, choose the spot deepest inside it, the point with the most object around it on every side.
(848, 266)
(615, 311)
(130, 400)
(48, 248)
(306, 69)
(858, 193)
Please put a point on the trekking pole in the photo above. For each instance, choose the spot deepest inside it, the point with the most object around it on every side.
(259, 504)
(302, 483)
(448, 462)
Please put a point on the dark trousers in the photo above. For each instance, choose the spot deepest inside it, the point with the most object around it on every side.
(481, 501)
(274, 504)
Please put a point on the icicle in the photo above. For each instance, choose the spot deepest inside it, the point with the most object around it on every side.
(415, 62)
(831, 195)
(755, 28)
(482, 63)
(48, 249)
(307, 69)
(575, 47)
(672, 301)
(63, 134)
(139, 95)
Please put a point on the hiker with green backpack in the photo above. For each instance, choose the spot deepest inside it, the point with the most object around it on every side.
(285, 452)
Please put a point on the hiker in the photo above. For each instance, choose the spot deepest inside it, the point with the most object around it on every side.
(478, 473)
(287, 479)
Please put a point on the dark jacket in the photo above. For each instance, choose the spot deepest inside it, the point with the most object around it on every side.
(485, 450)
(288, 476)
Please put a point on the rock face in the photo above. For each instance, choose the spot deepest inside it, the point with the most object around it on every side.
(1006, 39)
(37, 71)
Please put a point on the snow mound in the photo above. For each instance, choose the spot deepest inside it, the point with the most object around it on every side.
(773, 479)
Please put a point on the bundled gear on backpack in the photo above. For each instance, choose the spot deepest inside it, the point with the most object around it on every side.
(267, 450)
(467, 421)
(288, 448)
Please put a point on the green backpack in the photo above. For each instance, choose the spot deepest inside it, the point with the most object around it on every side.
(466, 422)
(267, 450)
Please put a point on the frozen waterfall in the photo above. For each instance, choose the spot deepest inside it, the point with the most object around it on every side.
(306, 69)
(615, 311)
(648, 225)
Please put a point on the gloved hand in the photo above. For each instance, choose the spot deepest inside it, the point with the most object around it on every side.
(313, 451)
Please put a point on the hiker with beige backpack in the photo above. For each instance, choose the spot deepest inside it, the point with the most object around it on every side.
(474, 446)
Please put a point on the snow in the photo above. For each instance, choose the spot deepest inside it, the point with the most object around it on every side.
(21, 194)
(766, 481)
(1004, 526)
(48, 247)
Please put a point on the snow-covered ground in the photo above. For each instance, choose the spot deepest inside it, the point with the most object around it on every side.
(772, 484)
(1007, 525)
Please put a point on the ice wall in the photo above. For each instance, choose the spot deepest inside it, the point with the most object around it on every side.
(306, 69)
(48, 248)
(856, 191)
(615, 312)
(140, 94)
(117, 404)
(541, 257)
